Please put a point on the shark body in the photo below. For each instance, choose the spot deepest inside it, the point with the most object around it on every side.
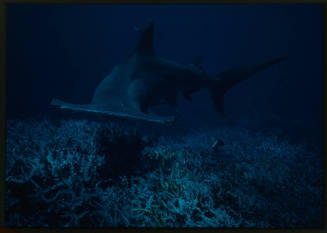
(145, 80)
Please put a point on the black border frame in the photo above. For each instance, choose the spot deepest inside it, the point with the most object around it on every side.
(3, 43)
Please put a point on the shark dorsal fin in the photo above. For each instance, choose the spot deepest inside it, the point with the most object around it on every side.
(197, 61)
(145, 44)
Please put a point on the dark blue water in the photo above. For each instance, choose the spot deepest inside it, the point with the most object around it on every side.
(64, 51)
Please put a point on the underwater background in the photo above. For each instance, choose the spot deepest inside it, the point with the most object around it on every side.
(73, 169)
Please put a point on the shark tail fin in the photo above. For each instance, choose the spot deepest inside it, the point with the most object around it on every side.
(230, 78)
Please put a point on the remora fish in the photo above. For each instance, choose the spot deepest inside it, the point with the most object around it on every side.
(145, 80)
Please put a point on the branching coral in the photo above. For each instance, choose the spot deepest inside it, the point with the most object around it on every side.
(92, 174)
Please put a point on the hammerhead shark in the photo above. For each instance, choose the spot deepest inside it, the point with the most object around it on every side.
(145, 80)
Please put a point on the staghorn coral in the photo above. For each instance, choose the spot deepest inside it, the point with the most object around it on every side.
(92, 174)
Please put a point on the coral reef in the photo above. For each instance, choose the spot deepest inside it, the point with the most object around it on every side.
(93, 174)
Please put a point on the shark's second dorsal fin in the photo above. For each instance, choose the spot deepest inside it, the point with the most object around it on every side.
(145, 44)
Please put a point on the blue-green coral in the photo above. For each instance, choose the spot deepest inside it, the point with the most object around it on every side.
(93, 174)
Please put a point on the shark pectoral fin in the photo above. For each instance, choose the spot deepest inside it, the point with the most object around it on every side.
(114, 111)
